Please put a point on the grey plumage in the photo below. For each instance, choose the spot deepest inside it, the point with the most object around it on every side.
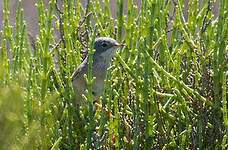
(105, 49)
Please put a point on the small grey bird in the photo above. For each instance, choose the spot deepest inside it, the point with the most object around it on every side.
(105, 49)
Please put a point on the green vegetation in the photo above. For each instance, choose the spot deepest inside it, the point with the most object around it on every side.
(167, 89)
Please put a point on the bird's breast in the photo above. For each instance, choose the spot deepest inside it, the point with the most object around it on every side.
(100, 68)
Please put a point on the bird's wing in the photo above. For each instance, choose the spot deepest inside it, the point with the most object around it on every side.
(81, 70)
(76, 73)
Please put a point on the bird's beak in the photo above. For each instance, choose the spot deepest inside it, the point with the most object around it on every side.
(119, 45)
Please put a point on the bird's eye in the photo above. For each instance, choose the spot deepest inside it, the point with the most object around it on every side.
(103, 44)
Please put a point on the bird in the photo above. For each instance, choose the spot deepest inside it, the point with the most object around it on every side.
(105, 48)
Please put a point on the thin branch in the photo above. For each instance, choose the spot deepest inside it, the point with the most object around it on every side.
(204, 26)
(60, 23)
(87, 7)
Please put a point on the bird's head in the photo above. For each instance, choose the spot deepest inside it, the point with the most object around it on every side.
(106, 47)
